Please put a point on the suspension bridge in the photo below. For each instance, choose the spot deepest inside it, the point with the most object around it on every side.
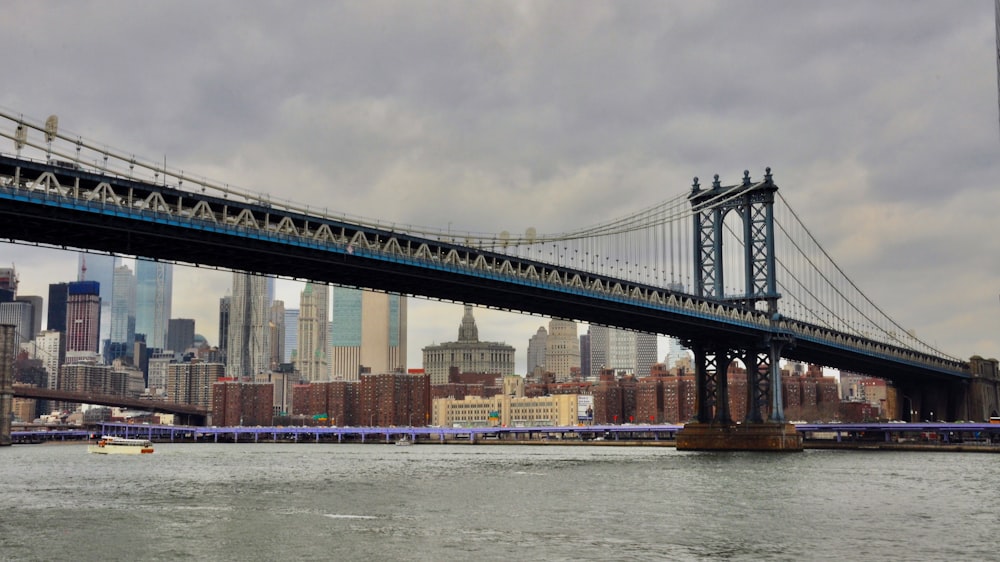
(728, 268)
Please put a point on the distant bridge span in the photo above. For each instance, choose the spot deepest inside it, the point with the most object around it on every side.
(194, 415)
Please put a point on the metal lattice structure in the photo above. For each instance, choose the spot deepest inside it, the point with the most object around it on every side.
(754, 204)
(635, 271)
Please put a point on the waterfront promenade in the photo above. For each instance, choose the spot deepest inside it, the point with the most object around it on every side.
(979, 437)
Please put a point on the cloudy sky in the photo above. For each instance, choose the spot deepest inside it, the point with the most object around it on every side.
(878, 118)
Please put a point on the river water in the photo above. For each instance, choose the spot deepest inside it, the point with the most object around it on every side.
(517, 502)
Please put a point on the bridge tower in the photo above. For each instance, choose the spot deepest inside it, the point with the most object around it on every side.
(753, 202)
(7, 352)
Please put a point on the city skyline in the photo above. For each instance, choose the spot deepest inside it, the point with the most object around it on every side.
(879, 121)
(207, 321)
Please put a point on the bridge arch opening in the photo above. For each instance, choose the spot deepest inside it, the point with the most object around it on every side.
(734, 263)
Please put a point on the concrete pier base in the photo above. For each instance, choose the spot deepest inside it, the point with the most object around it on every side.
(739, 437)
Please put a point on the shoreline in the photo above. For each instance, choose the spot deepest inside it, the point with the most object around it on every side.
(912, 447)
(807, 444)
(818, 445)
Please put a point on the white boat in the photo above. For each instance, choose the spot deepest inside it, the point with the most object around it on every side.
(404, 442)
(109, 445)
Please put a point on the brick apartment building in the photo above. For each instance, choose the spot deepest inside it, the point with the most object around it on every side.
(242, 403)
(383, 400)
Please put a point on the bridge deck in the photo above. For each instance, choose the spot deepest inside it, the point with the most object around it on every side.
(46, 204)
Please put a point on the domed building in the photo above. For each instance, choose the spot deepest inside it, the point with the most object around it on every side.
(468, 354)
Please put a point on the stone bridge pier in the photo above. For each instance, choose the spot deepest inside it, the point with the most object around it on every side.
(6, 381)
(714, 428)
(982, 394)
(975, 399)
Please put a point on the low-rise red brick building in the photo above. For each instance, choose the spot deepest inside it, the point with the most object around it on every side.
(649, 400)
(811, 396)
(856, 412)
(680, 399)
(242, 403)
(382, 400)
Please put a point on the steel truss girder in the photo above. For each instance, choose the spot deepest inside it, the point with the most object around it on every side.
(49, 205)
(775, 345)
(759, 244)
(758, 364)
(708, 252)
(712, 382)
(764, 396)
(129, 199)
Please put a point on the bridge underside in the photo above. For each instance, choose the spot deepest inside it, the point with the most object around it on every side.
(77, 229)
(185, 414)
(74, 229)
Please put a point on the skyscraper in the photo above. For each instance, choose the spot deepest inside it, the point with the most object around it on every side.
(248, 348)
(36, 311)
(646, 350)
(625, 351)
(536, 350)
(291, 335)
(313, 362)
(562, 349)
(599, 336)
(50, 348)
(180, 334)
(100, 268)
(368, 329)
(8, 284)
(586, 369)
(675, 352)
(153, 302)
(83, 317)
(123, 307)
(225, 305)
(56, 319)
(22, 311)
(277, 329)
(18, 314)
